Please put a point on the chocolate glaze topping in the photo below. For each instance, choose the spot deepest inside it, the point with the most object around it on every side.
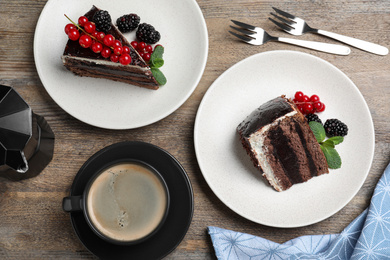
(265, 114)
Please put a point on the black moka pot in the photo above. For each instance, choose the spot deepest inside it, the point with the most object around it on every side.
(26, 139)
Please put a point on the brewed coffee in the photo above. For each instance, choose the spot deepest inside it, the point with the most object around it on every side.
(127, 201)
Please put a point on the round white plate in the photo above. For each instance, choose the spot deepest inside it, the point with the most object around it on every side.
(114, 105)
(228, 169)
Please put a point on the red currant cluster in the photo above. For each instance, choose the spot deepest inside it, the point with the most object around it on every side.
(144, 50)
(308, 105)
(99, 42)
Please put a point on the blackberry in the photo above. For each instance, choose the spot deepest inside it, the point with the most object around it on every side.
(334, 127)
(102, 20)
(313, 117)
(128, 22)
(146, 33)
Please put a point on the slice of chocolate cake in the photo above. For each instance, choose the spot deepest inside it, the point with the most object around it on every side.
(84, 62)
(281, 144)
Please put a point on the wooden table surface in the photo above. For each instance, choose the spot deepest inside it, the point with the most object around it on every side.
(32, 223)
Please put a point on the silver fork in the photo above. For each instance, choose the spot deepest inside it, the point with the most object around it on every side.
(257, 36)
(297, 26)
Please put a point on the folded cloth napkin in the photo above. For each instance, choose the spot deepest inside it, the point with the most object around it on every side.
(367, 237)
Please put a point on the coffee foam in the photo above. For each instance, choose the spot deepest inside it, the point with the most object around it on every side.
(126, 202)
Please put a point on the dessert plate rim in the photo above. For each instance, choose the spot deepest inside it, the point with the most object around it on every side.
(230, 173)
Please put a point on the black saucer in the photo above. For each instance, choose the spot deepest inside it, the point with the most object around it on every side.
(181, 204)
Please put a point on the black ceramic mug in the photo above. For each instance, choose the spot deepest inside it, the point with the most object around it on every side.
(124, 203)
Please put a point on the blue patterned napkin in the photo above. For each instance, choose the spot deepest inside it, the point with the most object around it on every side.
(367, 237)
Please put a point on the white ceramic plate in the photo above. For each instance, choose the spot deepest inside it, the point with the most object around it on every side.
(229, 171)
(115, 105)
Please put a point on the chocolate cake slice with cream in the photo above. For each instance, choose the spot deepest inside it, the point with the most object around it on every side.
(281, 144)
(84, 62)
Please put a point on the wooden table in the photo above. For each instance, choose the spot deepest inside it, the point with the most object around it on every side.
(32, 223)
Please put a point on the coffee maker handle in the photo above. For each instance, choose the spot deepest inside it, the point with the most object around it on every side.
(72, 203)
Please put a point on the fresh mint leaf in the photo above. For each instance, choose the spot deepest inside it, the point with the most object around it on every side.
(332, 157)
(156, 63)
(327, 146)
(335, 140)
(157, 53)
(328, 143)
(318, 131)
(161, 80)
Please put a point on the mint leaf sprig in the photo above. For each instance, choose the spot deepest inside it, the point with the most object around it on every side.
(327, 146)
(156, 61)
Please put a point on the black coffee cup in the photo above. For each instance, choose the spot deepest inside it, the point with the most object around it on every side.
(124, 203)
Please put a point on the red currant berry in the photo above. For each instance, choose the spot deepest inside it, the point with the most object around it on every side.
(125, 59)
(73, 34)
(118, 50)
(97, 47)
(300, 107)
(117, 43)
(299, 96)
(306, 98)
(314, 98)
(100, 36)
(308, 108)
(146, 57)
(106, 52)
(114, 58)
(95, 34)
(89, 27)
(82, 20)
(134, 44)
(322, 108)
(141, 46)
(317, 105)
(142, 54)
(126, 49)
(85, 41)
(108, 40)
(149, 48)
(68, 27)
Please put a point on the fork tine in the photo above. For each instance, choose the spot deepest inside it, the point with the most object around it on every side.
(243, 31)
(283, 26)
(244, 25)
(242, 37)
(289, 22)
(284, 13)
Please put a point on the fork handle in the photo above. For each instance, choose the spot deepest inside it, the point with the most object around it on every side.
(319, 46)
(364, 45)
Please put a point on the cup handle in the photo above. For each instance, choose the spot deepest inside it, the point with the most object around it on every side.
(72, 203)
